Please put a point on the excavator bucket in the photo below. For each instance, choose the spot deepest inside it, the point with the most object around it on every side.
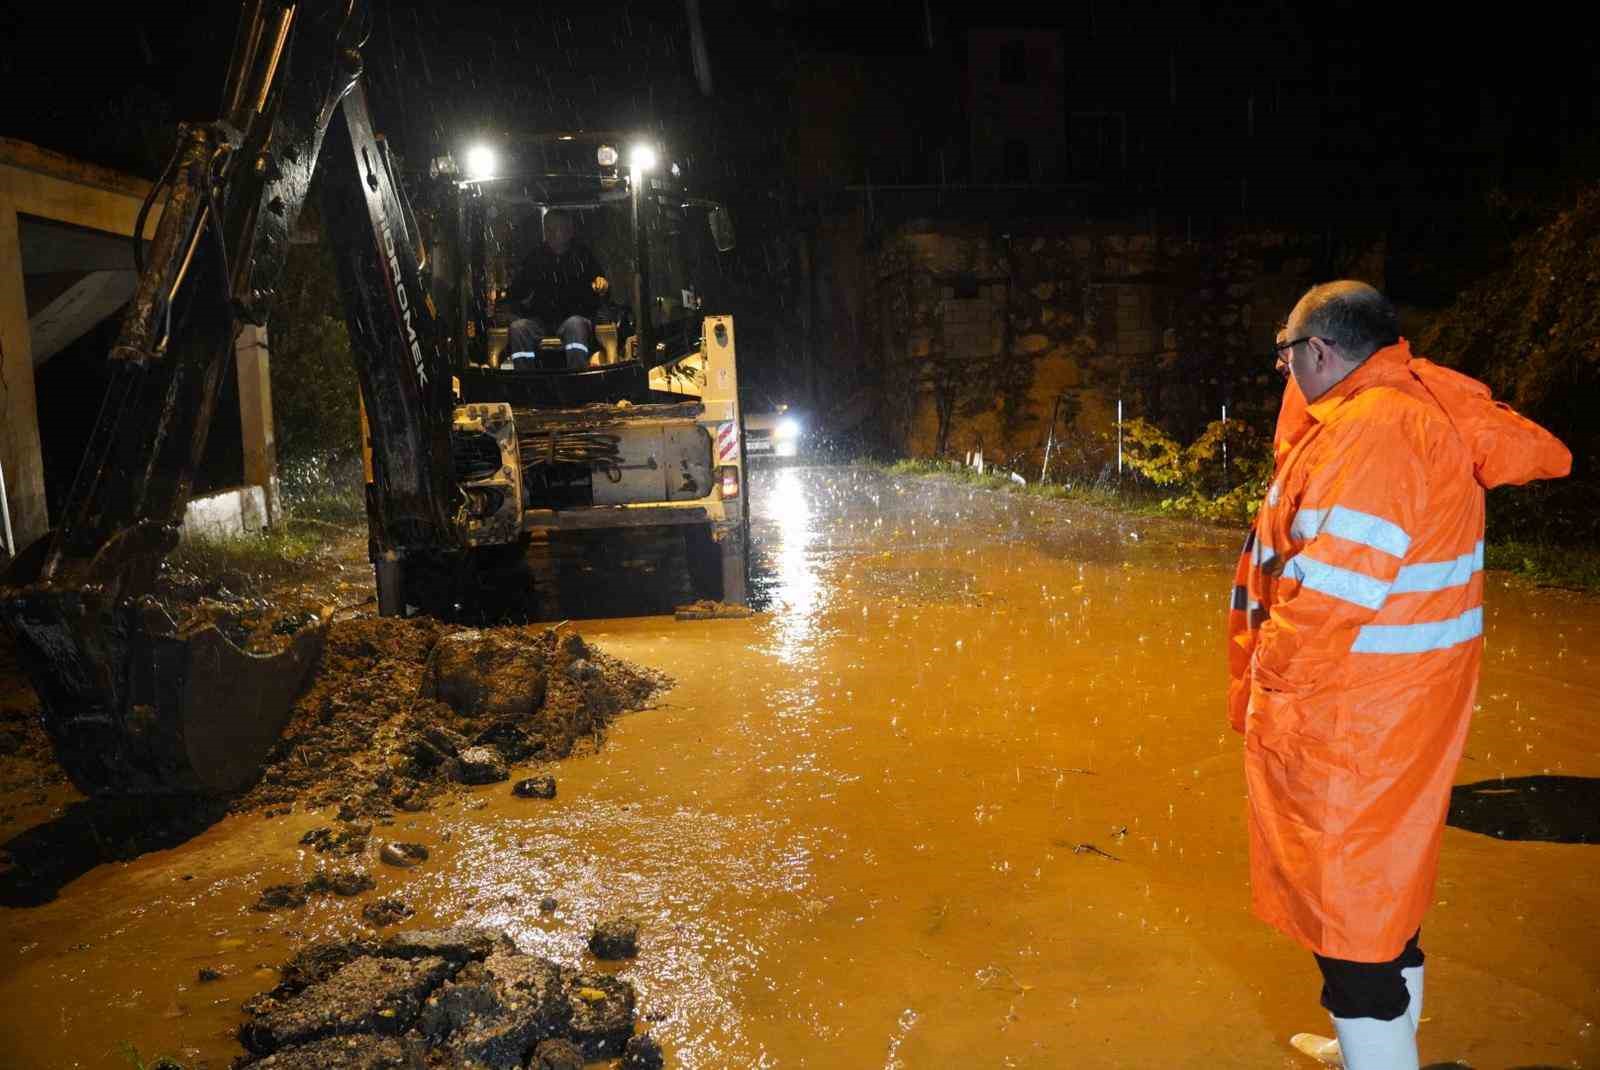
(136, 704)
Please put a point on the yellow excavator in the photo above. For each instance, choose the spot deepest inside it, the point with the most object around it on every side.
(472, 458)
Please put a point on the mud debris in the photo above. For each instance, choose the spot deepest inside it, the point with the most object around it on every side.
(706, 610)
(615, 938)
(345, 882)
(390, 910)
(642, 1053)
(535, 787)
(460, 997)
(281, 897)
(400, 711)
(557, 1055)
(27, 763)
(347, 842)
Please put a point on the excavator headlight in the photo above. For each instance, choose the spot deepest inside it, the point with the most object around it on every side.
(607, 156)
(481, 163)
(642, 157)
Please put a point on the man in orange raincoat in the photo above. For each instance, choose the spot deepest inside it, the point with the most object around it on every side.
(1354, 640)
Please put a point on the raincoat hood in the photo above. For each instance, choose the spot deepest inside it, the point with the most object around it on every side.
(1506, 448)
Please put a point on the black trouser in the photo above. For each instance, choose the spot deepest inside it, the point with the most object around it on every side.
(1369, 989)
(577, 340)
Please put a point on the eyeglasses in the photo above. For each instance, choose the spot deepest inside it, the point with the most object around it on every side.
(1280, 359)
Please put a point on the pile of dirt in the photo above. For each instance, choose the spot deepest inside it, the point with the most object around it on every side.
(463, 997)
(27, 763)
(400, 710)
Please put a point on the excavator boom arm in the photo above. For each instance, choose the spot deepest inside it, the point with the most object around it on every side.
(134, 702)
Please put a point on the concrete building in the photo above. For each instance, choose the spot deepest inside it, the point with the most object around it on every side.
(66, 263)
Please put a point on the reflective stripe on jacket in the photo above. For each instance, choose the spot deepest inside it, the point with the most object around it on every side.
(1354, 639)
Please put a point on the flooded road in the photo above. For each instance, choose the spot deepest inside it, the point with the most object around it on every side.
(963, 794)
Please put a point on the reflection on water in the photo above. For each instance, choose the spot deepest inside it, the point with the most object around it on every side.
(785, 530)
(962, 795)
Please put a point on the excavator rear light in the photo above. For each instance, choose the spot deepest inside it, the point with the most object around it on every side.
(728, 478)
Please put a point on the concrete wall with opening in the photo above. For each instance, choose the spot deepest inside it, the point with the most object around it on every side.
(66, 273)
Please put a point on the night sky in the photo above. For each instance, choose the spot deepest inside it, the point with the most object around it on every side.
(1321, 115)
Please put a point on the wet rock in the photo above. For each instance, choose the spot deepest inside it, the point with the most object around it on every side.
(458, 944)
(497, 1010)
(482, 765)
(316, 837)
(548, 905)
(511, 740)
(370, 995)
(582, 669)
(535, 787)
(346, 1053)
(207, 975)
(558, 1054)
(615, 938)
(602, 1012)
(642, 1053)
(281, 897)
(317, 962)
(571, 646)
(345, 882)
(483, 674)
(404, 855)
(390, 910)
(444, 741)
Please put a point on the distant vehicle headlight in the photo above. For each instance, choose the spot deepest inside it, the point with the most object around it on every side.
(788, 427)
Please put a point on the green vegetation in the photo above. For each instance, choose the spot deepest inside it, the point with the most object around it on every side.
(1518, 539)
(1571, 567)
(159, 1062)
(1128, 499)
(322, 502)
(271, 556)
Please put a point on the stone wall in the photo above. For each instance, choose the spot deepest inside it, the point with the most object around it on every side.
(981, 335)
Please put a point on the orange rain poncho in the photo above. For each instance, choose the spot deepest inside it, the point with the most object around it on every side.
(1354, 639)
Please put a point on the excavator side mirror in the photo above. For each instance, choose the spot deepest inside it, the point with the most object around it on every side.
(721, 228)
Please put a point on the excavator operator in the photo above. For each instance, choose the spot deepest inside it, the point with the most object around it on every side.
(559, 284)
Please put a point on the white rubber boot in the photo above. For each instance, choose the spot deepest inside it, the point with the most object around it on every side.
(1324, 1050)
(1373, 1044)
(1413, 976)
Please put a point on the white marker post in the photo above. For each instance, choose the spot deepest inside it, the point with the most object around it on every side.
(1225, 443)
(5, 515)
(1119, 438)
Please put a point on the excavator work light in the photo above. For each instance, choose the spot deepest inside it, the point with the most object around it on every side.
(481, 163)
(607, 156)
(642, 158)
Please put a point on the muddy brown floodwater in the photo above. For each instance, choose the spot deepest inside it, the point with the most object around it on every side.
(961, 795)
